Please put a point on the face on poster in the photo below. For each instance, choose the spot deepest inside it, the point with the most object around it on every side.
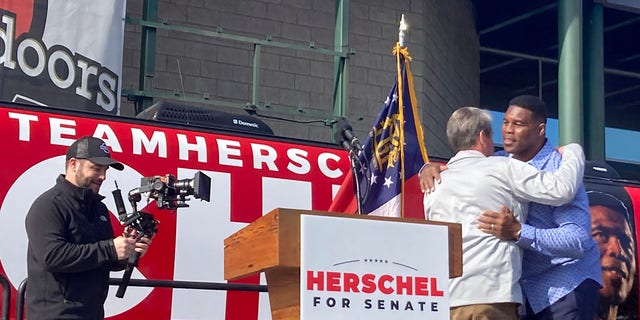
(614, 210)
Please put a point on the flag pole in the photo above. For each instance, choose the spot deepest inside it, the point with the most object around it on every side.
(401, 86)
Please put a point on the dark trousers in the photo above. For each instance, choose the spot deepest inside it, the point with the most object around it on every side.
(580, 304)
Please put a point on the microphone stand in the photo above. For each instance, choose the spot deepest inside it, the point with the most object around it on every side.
(355, 164)
(345, 137)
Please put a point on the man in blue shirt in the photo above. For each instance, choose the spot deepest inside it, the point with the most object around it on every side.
(561, 266)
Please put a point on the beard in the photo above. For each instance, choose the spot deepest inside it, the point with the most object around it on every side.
(87, 182)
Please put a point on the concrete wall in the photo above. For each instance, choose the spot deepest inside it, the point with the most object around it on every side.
(442, 41)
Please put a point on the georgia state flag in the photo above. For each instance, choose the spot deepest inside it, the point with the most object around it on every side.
(392, 156)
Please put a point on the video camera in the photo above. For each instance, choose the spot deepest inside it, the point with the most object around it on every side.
(169, 194)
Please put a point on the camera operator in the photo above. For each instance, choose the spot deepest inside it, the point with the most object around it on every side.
(72, 247)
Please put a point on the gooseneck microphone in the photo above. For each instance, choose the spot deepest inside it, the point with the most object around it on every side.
(340, 140)
(345, 129)
(359, 164)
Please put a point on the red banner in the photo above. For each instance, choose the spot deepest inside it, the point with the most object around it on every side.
(250, 176)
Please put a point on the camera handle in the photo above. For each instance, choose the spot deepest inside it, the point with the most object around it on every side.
(143, 222)
(131, 263)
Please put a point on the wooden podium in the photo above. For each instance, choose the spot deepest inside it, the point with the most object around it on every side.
(271, 244)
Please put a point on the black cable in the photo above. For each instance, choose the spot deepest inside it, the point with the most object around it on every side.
(252, 111)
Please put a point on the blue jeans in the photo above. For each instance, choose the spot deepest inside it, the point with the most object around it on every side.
(580, 304)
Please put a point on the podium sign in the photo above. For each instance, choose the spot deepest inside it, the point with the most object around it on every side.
(372, 269)
(338, 266)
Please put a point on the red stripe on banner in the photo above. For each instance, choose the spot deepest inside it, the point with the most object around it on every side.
(246, 196)
(241, 304)
(321, 195)
(246, 206)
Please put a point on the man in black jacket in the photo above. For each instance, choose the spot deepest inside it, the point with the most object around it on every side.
(72, 247)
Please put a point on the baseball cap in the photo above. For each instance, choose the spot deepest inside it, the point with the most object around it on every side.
(597, 198)
(94, 150)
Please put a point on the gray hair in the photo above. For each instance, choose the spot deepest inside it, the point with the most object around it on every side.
(465, 124)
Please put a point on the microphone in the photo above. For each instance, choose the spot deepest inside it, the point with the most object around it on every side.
(347, 133)
(341, 141)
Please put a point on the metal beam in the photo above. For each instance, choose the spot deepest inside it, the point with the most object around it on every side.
(621, 91)
(500, 65)
(629, 58)
(212, 103)
(610, 28)
(570, 71)
(518, 54)
(147, 55)
(509, 53)
(540, 86)
(340, 65)
(255, 83)
(227, 36)
(540, 83)
(621, 24)
(517, 19)
(627, 105)
(594, 105)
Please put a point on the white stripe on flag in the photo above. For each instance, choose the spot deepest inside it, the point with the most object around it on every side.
(389, 209)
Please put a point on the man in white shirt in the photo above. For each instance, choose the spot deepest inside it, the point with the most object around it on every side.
(476, 181)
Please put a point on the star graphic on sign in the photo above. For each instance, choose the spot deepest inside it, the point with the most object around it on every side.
(388, 182)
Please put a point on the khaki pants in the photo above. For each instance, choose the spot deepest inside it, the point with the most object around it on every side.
(494, 311)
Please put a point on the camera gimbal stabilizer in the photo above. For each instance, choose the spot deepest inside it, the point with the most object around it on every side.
(169, 194)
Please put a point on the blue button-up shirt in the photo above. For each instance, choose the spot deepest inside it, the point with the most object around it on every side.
(559, 252)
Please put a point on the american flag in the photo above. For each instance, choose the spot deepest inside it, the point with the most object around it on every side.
(385, 163)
